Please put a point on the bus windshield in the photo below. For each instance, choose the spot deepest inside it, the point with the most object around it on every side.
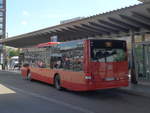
(105, 51)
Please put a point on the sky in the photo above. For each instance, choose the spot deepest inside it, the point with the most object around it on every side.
(25, 16)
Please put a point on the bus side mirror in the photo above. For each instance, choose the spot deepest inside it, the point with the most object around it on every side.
(25, 65)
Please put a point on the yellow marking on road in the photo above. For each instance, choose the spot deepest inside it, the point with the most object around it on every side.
(5, 90)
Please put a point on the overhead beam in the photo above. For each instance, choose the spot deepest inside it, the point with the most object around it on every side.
(67, 30)
(141, 17)
(52, 32)
(87, 29)
(71, 32)
(114, 26)
(78, 31)
(129, 19)
(104, 27)
(102, 31)
(125, 24)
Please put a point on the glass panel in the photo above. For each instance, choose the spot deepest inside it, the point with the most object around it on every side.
(140, 60)
(147, 62)
(1, 19)
(108, 51)
(68, 56)
(1, 31)
(148, 72)
(1, 1)
(37, 57)
(1, 5)
(1, 13)
(108, 55)
(1, 26)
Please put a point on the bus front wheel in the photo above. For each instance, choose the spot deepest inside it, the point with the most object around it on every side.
(57, 82)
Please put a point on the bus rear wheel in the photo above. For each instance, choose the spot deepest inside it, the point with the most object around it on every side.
(57, 82)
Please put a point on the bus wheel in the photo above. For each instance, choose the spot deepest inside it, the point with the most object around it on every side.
(29, 76)
(57, 82)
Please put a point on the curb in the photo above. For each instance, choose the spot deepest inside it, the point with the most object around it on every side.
(18, 72)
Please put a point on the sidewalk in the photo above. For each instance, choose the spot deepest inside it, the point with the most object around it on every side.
(140, 89)
(13, 71)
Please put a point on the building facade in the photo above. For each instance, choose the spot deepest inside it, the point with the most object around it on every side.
(2, 26)
(2, 18)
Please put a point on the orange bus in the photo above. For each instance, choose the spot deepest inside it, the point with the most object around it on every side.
(80, 65)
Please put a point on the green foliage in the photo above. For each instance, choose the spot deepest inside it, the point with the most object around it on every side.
(13, 52)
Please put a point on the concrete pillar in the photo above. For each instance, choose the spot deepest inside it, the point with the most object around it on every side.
(133, 73)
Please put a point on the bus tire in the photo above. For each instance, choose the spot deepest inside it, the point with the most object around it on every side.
(57, 82)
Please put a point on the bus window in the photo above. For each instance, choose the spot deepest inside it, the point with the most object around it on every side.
(103, 53)
(68, 56)
(109, 55)
(37, 57)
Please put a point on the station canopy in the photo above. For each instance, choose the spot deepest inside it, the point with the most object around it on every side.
(117, 23)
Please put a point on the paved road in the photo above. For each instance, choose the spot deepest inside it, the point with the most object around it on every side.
(22, 96)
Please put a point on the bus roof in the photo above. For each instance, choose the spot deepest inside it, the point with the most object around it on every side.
(47, 44)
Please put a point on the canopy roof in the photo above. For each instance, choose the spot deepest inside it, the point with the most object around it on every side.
(111, 24)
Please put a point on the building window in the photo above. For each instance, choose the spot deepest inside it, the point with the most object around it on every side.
(1, 1)
(1, 19)
(1, 26)
(1, 14)
(1, 32)
(1, 5)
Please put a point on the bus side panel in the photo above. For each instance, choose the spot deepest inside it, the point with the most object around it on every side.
(69, 79)
(76, 81)
(42, 74)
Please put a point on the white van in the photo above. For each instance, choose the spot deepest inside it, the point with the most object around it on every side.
(14, 62)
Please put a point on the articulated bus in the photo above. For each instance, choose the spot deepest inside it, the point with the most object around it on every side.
(80, 65)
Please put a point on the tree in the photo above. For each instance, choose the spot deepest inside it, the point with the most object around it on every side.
(13, 52)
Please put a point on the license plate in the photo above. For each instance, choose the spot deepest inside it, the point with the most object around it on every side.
(109, 78)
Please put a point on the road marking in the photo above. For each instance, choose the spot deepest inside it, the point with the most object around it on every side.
(51, 100)
(5, 90)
